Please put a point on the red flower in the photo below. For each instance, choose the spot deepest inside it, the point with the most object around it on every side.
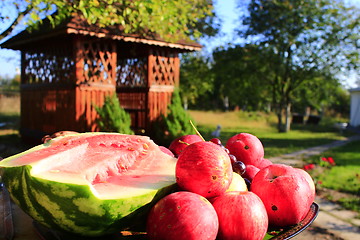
(331, 161)
(309, 167)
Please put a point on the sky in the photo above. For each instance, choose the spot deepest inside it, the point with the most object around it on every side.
(225, 9)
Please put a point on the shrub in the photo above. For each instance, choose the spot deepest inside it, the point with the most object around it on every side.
(112, 117)
(174, 124)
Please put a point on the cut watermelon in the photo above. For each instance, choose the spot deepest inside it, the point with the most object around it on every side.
(91, 183)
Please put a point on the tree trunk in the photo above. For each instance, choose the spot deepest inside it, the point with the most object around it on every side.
(287, 117)
(279, 116)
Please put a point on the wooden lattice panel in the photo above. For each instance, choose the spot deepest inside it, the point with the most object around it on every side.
(54, 65)
(132, 72)
(98, 62)
(164, 68)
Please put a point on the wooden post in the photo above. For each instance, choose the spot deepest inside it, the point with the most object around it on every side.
(176, 70)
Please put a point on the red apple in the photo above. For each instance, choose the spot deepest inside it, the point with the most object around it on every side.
(308, 178)
(246, 148)
(167, 151)
(204, 168)
(285, 193)
(250, 172)
(180, 143)
(242, 215)
(182, 216)
(264, 163)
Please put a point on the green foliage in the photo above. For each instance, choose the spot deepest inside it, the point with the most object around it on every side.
(196, 77)
(308, 39)
(169, 19)
(175, 124)
(240, 75)
(10, 85)
(112, 117)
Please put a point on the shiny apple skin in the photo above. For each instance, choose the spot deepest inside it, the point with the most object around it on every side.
(204, 168)
(246, 148)
(242, 215)
(180, 143)
(182, 216)
(250, 172)
(285, 192)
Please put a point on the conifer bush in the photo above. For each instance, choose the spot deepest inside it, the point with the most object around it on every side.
(174, 124)
(112, 117)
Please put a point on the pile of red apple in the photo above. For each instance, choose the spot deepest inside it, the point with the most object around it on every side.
(215, 203)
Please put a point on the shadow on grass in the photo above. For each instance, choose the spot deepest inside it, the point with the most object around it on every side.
(9, 121)
(276, 143)
(10, 140)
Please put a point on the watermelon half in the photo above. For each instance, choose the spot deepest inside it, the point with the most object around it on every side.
(90, 184)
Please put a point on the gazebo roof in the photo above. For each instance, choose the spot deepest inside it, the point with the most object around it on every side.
(79, 26)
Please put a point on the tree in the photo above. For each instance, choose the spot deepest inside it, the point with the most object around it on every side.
(196, 78)
(307, 38)
(239, 75)
(175, 123)
(181, 18)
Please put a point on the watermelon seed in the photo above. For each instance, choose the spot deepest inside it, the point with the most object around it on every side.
(214, 177)
(146, 146)
(246, 147)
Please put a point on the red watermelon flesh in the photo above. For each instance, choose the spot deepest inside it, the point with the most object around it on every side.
(130, 162)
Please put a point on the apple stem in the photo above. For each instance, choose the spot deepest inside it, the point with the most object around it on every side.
(184, 142)
(197, 132)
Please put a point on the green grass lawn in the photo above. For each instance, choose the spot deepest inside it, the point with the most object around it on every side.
(264, 127)
(343, 177)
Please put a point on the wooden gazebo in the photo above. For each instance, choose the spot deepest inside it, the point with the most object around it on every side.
(67, 70)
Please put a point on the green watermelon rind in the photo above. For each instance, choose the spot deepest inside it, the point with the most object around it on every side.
(64, 206)
(38, 198)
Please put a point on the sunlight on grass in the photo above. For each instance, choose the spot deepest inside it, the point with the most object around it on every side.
(343, 178)
(263, 126)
